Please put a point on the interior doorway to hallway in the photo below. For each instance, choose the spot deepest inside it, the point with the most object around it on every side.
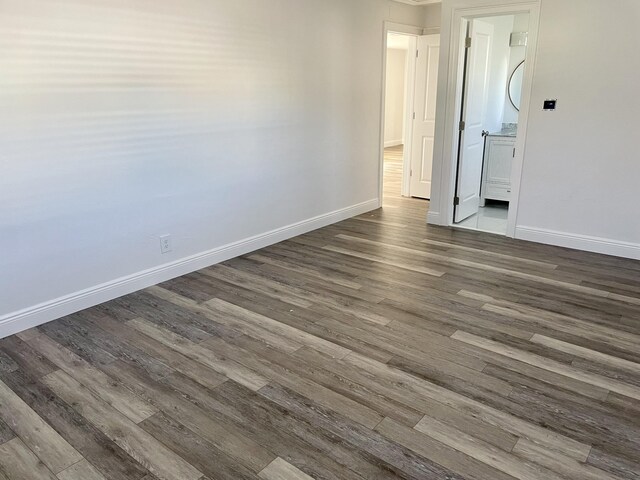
(411, 78)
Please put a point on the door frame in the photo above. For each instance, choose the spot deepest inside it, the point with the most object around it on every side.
(411, 31)
(455, 18)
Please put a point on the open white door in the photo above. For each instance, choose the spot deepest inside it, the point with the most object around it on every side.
(425, 115)
(476, 93)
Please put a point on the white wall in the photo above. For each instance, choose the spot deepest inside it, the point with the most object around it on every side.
(432, 18)
(395, 97)
(581, 171)
(214, 121)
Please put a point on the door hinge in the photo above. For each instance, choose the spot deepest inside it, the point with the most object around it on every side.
(462, 125)
(467, 42)
(417, 53)
(514, 153)
(411, 173)
(456, 201)
(414, 115)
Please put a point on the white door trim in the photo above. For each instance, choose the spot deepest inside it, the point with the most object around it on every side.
(455, 14)
(391, 27)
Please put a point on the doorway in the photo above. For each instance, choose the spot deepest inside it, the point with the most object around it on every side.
(494, 55)
(456, 18)
(411, 79)
(398, 90)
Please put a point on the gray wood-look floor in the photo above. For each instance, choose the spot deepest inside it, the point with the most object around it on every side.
(375, 348)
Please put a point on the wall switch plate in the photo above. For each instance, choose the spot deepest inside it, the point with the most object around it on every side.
(550, 105)
(165, 244)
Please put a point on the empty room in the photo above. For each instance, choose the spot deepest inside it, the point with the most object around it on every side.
(319, 239)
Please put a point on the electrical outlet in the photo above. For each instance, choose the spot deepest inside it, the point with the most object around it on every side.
(165, 244)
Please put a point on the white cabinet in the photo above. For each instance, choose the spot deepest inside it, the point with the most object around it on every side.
(496, 174)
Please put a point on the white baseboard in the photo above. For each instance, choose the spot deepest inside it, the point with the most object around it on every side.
(580, 242)
(434, 218)
(45, 312)
(393, 143)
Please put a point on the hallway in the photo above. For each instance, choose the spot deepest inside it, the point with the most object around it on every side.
(393, 202)
(393, 171)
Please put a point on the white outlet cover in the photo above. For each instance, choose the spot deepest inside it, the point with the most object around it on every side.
(165, 244)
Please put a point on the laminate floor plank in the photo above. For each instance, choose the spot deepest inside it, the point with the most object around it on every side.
(82, 470)
(566, 467)
(299, 440)
(279, 469)
(54, 451)
(168, 316)
(199, 452)
(445, 260)
(426, 406)
(608, 384)
(404, 462)
(26, 357)
(618, 341)
(314, 289)
(381, 259)
(375, 348)
(586, 353)
(66, 334)
(17, 462)
(488, 253)
(145, 448)
(111, 392)
(7, 364)
(582, 422)
(475, 321)
(339, 384)
(286, 339)
(303, 386)
(96, 337)
(329, 277)
(112, 461)
(339, 333)
(6, 433)
(206, 357)
(500, 364)
(483, 452)
(624, 468)
(616, 374)
(559, 389)
(474, 358)
(439, 452)
(222, 434)
(178, 362)
(491, 415)
(274, 289)
(285, 331)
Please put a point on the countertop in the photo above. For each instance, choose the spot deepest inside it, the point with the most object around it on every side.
(505, 133)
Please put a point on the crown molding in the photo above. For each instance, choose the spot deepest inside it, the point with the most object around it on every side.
(419, 2)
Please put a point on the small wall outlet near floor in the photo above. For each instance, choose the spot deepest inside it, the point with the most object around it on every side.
(165, 244)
